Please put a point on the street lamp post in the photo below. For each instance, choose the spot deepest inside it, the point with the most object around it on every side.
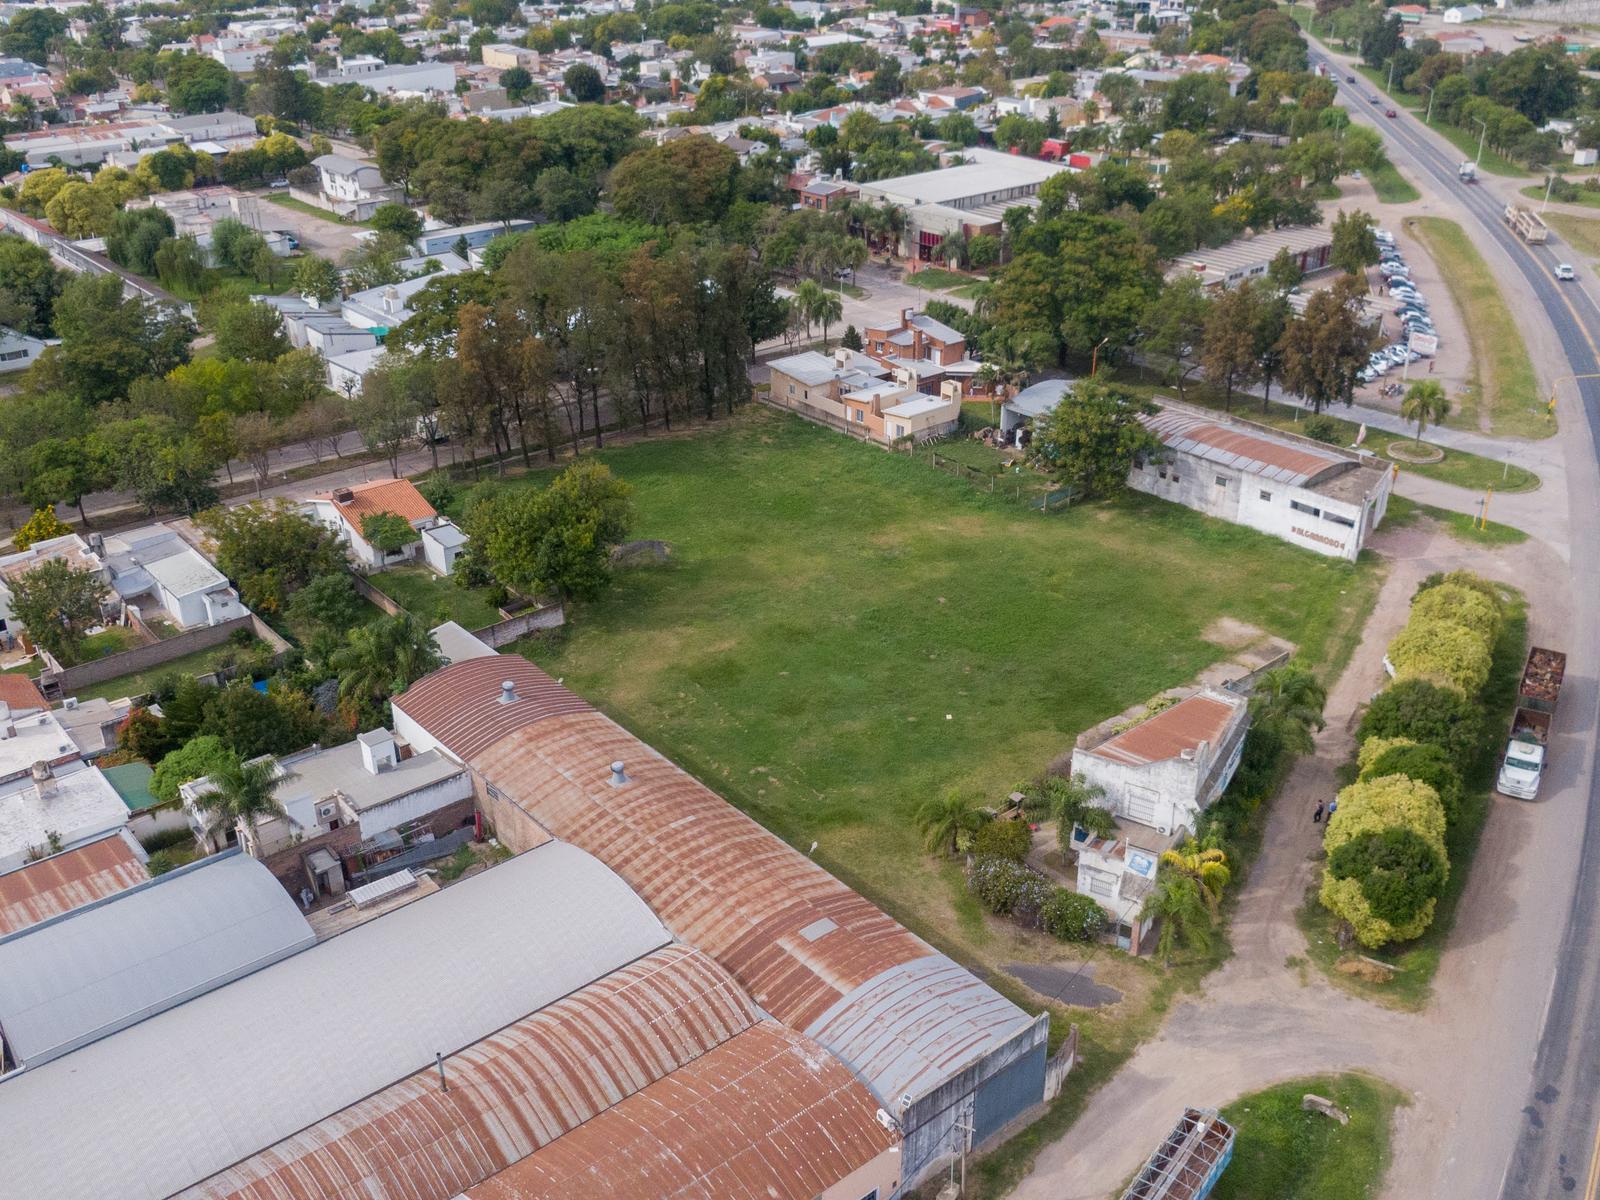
(1094, 358)
(1550, 408)
(1479, 160)
(1389, 87)
(1428, 120)
(1548, 184)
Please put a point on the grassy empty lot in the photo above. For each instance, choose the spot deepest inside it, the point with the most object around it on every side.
(1581, 233)
(1391, 186)
(420, 591)
(842, 633)
(1587, 198)
(1286, 1153)
(1506, 392)
(939, 279)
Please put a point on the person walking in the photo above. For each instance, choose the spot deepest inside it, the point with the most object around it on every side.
(1333, 807)
(1316, 816)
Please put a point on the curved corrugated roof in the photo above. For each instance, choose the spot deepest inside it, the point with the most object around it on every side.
(460, 704)
(792, 934)
(1270, 458)
(509, 1094)
(286, 1047)
(765, 1116)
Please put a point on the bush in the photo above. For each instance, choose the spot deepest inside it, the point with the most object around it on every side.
(1400, 874)
(1372, 748)
(1322, 429)
(1461, 605)
(165, 839)
(1441, 652)
(1425, 712)
(437, 490)
(1387, 886)
(1003, 839)
(1423, 764)
(1072, 917)
(41, 527)
(1466, 579)
(1008, 889)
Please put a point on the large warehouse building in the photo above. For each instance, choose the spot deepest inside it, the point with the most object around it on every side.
(654, 997)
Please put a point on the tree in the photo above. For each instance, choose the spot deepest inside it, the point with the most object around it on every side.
(195, 759)
(108, 341)
(944, 821)
(250, 331)
(1230, 353)
(1355, 244)
(30, 278)
(197, 84)
(56, 603)
(1426, 404)
(682, 182)
(271, 550)
(317, 278)
(397, 219)
(1387, 863)
(384, 658)
(1174, 327)
(135, 236)
(558, 539)
(1441, 651)
(388, 532)
(1075, 804)
(1425, 712)
(1289, 700)
(516, 82)
(1072, 916)
(1325, 348)
(241, 794)
(1208, 869)
(41, 527)
(64, 469)
(827, 309)
(32, 33)
(1094, 436)
(329, 602)
(254, 723)
(583, 84)
(80, 210)
(1179, 904)
(387, 409)
(1424, 764)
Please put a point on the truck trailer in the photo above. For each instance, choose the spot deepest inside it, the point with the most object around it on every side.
(1527, 752)
(1527, 224)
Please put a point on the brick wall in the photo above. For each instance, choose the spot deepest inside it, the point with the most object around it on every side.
(502, 633)
(142, 658)
(288, 866)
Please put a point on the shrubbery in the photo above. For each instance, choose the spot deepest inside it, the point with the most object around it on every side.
(1008, 889)
(1003, 839)
(1387, 863)
(1425, 712)
(1425, 764)
(1072, 916)
(1442, 652)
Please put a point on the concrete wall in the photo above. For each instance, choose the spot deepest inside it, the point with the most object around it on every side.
(503, 633)
(143, 658)
(421, 803)
(516, 830)
(371, 593)
(288, 865)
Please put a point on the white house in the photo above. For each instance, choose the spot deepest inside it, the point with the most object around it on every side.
(1157, 777)
(157, 572)
(19, 351)
(69, 547)
(351, 187)
(1319, 497)
(50, 799)
(1463, 14)
(344, 510)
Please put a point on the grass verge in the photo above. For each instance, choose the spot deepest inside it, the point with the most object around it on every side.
(1580, 233)
(1505, 380)
(1287, 1153)
(939, 279)
(1587, 198)
(1391, 186)
(421, 592)
(311, 210)
(1403, 512)
(1457, 467)
(1416, 962)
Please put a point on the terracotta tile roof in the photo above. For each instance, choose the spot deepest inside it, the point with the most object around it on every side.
(398, 496)
(20, 692)
(460, 704)
(1170, 732)
(765, 1116)
(67, 881)
(510, 1094)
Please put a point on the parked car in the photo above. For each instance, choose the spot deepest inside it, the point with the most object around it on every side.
(278, 183)
(1565, 272)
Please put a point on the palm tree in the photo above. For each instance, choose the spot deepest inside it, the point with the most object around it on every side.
(1207, 868)
(952, 249)
(385, 658)
(894, 219)
(806, 295)
(1289, 701)
(944, 821)
(241, 794)
(1074, 803)
(1184, 915)
(829, 308)
(1426, 404)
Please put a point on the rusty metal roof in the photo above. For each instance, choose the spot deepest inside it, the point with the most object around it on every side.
(65, 881)
(1169, 733)
(765, 1116)
(510, 1094)
(793, 935)
(1255, 453)
(460, 705)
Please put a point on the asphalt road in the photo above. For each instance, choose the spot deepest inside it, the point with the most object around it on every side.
(1557, 1146)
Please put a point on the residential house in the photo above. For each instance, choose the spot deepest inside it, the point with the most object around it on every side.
(69, 548)
(50, 799)
(1319, 497)
(1463, 14)
(897, 412)
(162, 577)
(1157, 778)
(19, 351)
(930, 351)
(820, 193)
(814, 384)
(350, 187)
(344, 510)
(505, 56)
(433, 79)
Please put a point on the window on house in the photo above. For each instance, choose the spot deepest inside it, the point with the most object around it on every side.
(791, 389)
(1305, 508)
(1267, 496)
(1338, 520)
(1100, 884)
(1222, 481)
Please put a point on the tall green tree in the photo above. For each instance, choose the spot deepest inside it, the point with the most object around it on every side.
(57, 603)
(559, 539)
(1093, 436)
(1325, 348)
(271, 550)
(1289, 701)
(1229, 349)
(1355, 242)
(1425, 404)
(241, 794)
(384, 658)
(1179, 904)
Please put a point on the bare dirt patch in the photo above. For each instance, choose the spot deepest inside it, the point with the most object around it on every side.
(1232, 633)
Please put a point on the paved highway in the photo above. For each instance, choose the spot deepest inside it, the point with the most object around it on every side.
(1557, 1150)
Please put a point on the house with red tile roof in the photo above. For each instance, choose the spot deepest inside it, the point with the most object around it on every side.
(345, 510)
(1156, 775)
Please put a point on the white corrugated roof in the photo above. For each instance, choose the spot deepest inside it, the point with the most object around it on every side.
(97, 969)
(244, 1066)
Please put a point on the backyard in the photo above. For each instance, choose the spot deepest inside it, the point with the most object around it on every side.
(434, 598)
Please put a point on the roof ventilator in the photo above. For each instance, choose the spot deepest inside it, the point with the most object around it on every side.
(619, 777)
(508, 692)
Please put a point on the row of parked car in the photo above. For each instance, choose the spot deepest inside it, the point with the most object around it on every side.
(1412, 312)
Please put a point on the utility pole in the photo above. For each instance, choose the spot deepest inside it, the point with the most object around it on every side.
(1428, 120)
(1549, 183)
(1479, 160)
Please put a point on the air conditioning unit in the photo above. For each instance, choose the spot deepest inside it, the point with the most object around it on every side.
(1163, 830)
(326, 812)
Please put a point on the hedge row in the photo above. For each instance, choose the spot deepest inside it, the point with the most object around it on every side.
(1008, 888)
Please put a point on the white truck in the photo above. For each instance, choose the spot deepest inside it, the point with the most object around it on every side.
(1522, 766)
(1467, 172)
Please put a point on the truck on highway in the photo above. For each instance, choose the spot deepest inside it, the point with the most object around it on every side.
(1525, 758)
(1527, 224)
(1467, 172)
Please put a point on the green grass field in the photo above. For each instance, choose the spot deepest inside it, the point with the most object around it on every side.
(1416, 962)
(842, 633)
(140, 682)
(1506, 384)
(1580, 233)
(1402, 512)
(420, 591)
(1588, 199)
(938, 279)
(1286, 1153)
(1391, 186)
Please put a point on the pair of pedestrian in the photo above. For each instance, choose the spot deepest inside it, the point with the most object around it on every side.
(1316, 815)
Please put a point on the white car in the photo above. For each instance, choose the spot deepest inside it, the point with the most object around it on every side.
(1565, 271)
